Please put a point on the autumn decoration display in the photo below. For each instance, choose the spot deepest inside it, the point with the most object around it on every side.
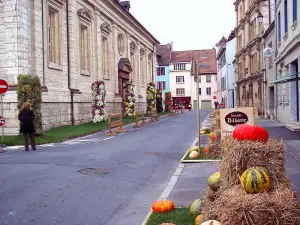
(98, 101)
(129, 98)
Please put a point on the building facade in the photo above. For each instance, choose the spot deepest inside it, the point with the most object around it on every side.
(226, 76)
(164, 53)
(248, 75)
(268, 64)
(287, 60)
(70, 44)
(183, 86)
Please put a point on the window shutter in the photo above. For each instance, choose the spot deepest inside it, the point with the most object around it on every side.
(163, 71)
(164, 85)
(158, 71)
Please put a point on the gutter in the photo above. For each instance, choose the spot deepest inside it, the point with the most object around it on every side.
(43, 43)
(68, 56)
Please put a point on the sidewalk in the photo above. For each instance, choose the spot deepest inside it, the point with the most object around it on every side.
(193, 179)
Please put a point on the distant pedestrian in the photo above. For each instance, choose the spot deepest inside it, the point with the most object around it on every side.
(216, 104)
(190, 106)
(26, 117)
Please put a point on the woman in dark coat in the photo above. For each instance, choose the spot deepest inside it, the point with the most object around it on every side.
(26, 117)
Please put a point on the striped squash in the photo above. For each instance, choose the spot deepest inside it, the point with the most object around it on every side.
(255, 180)
(196, 207)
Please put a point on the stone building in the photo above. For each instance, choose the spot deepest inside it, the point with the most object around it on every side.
(249, 78)
(70, 44)
(287, 63)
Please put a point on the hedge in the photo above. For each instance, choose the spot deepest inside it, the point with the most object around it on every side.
(30, 90)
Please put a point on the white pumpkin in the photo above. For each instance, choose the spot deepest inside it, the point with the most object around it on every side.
(194, 155)
(211, 222)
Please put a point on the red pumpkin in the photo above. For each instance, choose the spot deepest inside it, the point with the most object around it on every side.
(205, 149)
(162, 206)
(212, 136)
(250, 132)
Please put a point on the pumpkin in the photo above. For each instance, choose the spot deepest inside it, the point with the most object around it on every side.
(212, 136)
(211, 222)
(196, 207)
(205, 149)
(202, 132)
(166, 224)
(250, 132)
(199, 219)
(162, 206)
(195, 148)
(205, 128)
(214, 181)
(255, 180)
(193, 155)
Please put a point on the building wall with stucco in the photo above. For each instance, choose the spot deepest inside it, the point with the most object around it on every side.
(25, 49)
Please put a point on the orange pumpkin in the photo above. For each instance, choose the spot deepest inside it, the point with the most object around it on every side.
(199, 219)
(166, 224)
(162, 206)
(212, 136)
(205, 149)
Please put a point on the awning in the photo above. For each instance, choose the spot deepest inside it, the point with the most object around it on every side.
(285, 79)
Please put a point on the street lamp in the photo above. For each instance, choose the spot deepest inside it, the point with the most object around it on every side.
(260, 18)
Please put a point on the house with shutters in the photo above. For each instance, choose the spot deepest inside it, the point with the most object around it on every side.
(182, 84)
(163, 53)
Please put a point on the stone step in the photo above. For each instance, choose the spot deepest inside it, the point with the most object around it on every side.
(293, 126)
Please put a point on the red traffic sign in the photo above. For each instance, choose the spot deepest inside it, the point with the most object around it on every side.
(3, 87)
(2, 121)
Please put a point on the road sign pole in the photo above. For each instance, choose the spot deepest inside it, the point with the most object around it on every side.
(1, 99)
(198, 103)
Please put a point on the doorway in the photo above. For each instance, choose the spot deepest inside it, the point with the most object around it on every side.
(124, 69)
(294, 86)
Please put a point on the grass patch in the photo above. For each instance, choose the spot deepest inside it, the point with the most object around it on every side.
(200, 156)
(179, 216)
(60, 134)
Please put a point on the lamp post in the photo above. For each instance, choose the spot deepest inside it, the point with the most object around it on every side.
(260, 18)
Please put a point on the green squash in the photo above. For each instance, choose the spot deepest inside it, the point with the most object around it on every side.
(214, 181)
(196, 207)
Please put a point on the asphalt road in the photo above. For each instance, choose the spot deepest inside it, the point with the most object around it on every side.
(46, 187)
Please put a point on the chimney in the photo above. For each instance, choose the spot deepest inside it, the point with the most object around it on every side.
(125, 5)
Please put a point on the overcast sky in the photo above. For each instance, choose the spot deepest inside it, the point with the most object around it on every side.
(190, 24)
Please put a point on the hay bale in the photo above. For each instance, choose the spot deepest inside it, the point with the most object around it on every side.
(236, 207)
(209, 203)
(214, 147)
(237, 156)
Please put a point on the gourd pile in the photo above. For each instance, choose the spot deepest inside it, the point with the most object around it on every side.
(213, 148)
(251, 187)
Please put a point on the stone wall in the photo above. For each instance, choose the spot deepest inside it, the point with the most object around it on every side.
(22, 51)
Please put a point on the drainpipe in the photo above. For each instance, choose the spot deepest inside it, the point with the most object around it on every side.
(43, 43)
(68, 56)
(276, 55)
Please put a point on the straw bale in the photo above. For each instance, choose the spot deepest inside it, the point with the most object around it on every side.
(214, 147)
(236, 207)
(237, 156)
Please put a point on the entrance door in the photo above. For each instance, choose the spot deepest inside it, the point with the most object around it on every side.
(195, 104)
(205, 104)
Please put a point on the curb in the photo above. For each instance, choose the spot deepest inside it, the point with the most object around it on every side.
(167, 191)
(14, 147)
